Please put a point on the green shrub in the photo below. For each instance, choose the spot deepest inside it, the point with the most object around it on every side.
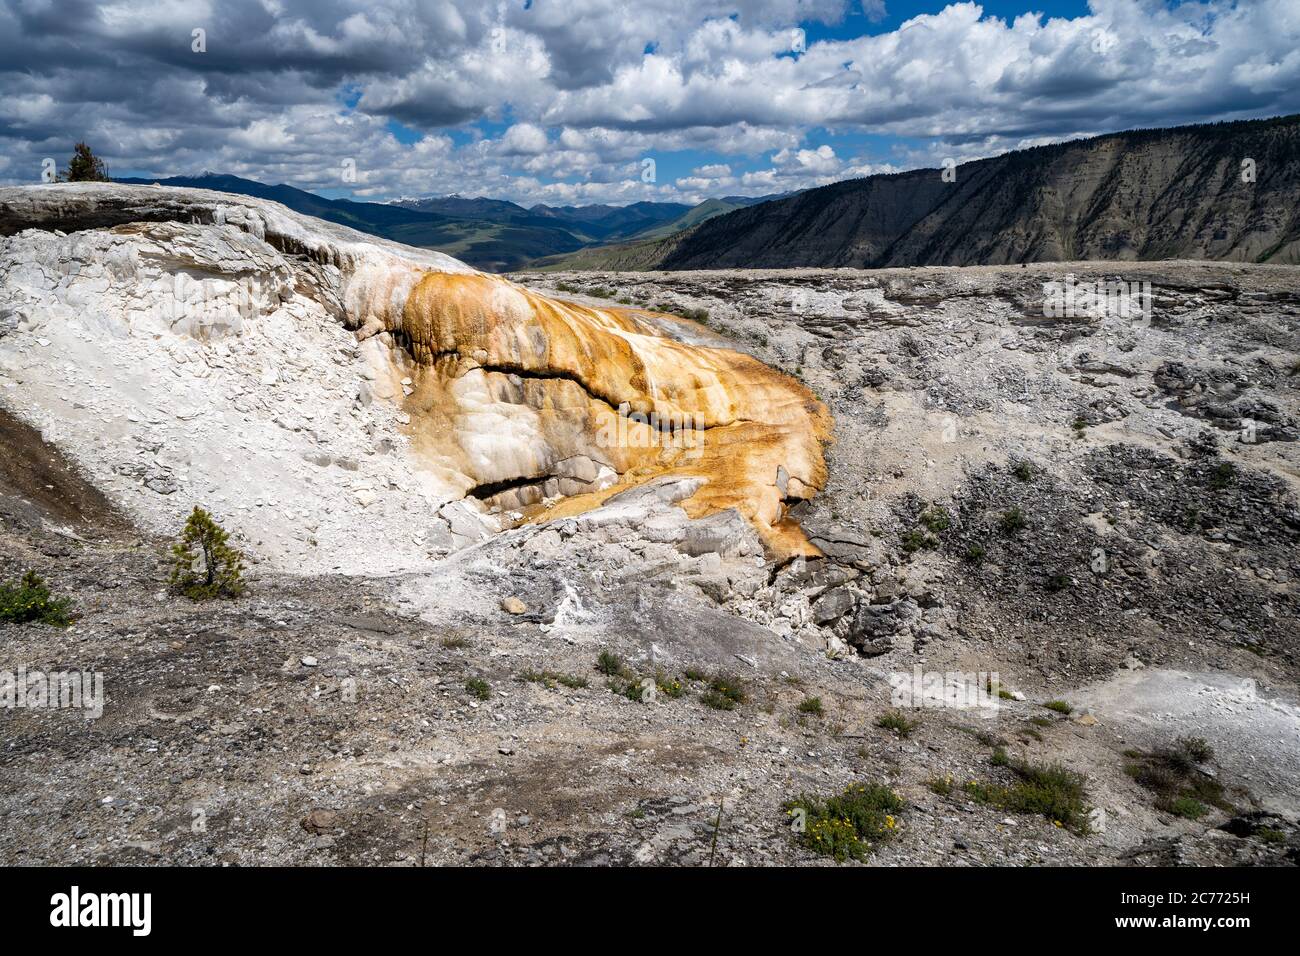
(916, 540)
(1012, 521)
(848, 826)
(1047, 790)
(627, 683)
(549, 679)
(1002, 692)
(936, 518)
(1197, 748)
(811, 705)
(1060, 706)
(1222, 475)
(478, 688)
(630, 688)
(940, 785)
(1174, 775)
(611, 665)
(724, 693)
(670, 687)
(204, 565)
(1023, 471)
(898, 722)
(29, 601)
(695, 315)
(1187, 807)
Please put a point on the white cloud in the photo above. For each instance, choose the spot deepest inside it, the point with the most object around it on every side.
(523, 139)
(264, 136)
(960, 72)
(289, 88)
(713, 171)
(821, 160)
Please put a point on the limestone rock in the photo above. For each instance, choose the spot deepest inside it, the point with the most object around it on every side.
(500, 394)
(320, 821)
(833, 605)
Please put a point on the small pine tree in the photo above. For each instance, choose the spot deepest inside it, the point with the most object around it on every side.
(204, 565)
(85, 166)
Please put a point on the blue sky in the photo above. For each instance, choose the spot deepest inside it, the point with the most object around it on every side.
(856, 22)
(576, 101)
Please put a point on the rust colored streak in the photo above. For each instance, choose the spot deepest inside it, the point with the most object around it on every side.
(512, 381)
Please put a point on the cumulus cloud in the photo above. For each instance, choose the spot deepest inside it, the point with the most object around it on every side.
(523, 139)
(561, 100)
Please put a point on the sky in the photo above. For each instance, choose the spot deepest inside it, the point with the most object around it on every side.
(587, 101)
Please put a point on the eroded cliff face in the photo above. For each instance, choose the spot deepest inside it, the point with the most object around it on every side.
(533, 399)
(544, 408)
(1220, 191)
(504, 405)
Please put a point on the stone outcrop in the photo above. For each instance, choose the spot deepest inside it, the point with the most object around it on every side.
(346, 399)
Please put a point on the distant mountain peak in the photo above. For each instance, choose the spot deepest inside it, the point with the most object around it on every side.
(1139, 194)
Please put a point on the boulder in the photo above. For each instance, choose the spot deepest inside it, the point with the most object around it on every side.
(832, 606)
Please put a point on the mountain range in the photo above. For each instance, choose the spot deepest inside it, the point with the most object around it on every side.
(1217, 191)
(490, 234)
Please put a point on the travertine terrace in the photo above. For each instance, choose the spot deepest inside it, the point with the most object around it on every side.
(504, 401)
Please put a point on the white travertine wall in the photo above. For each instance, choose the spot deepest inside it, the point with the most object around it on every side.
(340, 400)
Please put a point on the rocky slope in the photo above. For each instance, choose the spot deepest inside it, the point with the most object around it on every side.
(1099, 507)
(943, 383)
(1148, 194)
